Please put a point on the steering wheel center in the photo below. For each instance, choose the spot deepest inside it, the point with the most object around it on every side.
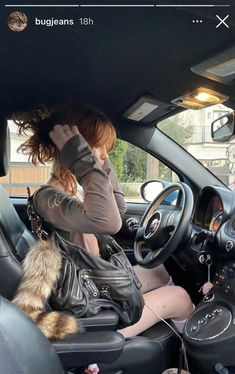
(161, 231)
(153, 225)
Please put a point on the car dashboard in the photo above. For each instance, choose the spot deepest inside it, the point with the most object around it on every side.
(212, 232)
(211, 253)
(214, 215)
(210, 212)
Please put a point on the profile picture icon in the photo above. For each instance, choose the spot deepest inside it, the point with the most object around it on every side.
(17, 21)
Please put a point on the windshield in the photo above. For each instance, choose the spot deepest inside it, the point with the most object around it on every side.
(192, 130)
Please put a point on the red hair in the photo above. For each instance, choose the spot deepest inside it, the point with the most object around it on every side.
(94, 126)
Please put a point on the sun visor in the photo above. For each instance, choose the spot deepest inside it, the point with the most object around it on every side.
(220, 68)
(147, 109)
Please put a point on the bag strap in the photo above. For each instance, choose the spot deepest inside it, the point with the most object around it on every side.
(37, 223)
(107, 245)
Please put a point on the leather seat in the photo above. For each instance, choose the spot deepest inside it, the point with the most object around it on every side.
(25, 350)
(155, 349)
(151, 352)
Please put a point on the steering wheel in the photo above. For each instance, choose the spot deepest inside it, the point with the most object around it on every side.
(162, 230)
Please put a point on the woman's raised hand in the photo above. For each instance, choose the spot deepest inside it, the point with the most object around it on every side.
(61, 134)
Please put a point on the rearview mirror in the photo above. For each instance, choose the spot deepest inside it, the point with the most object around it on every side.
(222, 129)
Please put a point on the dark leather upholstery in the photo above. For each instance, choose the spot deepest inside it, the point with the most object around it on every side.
(15, 239)
(150, 350)
(78, 350)
(4, 149)
(27, 351)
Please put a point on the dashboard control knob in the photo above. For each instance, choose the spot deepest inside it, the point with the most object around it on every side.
(202, 321)
(229, 245)
(202, 259)
(209, 297)
(194, 328)
(132, 224)
(218, 311)
(210, 316)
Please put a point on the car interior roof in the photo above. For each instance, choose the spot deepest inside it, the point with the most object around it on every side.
(127, 53)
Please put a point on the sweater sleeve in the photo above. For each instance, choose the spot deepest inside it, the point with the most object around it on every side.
(117, 190)
(99, 212)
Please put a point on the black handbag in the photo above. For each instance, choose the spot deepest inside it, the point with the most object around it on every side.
(88, 283)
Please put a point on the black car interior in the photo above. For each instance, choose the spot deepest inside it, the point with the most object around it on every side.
(128, 53)
(155, 344)
(23, 348)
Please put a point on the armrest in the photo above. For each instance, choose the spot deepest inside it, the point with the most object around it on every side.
(106, 320)
(83, 349)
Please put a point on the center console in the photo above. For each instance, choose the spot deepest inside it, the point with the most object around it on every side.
(209, 333)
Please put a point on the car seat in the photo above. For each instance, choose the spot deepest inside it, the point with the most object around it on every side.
(25, 350)
(152, 351)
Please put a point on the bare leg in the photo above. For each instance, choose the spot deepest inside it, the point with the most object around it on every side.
(152, 278)
(168, 302)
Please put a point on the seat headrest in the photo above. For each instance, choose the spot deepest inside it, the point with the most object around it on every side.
(4, 149)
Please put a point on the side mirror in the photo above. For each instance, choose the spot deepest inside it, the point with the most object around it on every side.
(150, 189)
(223, 129)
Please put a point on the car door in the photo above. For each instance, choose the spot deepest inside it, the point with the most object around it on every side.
(125, 237)
(136, 167)
(130, 222)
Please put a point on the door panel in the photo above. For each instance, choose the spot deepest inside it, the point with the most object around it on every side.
(20, 204)
(125, 237)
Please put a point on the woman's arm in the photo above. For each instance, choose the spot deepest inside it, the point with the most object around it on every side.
(118, 194)
(99, 212)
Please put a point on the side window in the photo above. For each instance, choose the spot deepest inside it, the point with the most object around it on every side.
(135, 166)
(22, 173)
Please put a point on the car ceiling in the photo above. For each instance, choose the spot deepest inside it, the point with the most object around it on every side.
(127, 53)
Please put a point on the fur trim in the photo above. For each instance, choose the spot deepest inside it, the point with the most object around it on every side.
(55, 325)
(41, 271)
